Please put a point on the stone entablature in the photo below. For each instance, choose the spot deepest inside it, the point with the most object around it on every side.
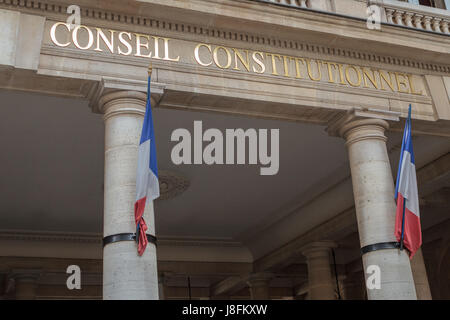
(238, 61)
(114, 42)
(302, 98)
(56, 11)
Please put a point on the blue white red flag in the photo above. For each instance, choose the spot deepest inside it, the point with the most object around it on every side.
(147, 185)
(407, 222)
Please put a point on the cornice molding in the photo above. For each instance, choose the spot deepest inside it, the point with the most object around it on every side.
(110, 84)
(341, 123)
(57, 10)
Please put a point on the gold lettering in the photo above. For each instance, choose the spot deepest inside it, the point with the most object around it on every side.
(388, 81)
(109, 43)
(125, 43)
(53, 34)
(75, 37)
(401, 82)
(411, 85)
(286, 60)
(349, 80)
(330, 70)
(274, 63)
(197, 54)
(140, 44)
(297, 67)
(308, 66)
(238, 55)
(166, 51)
(341, 74)
(156, 47)
(216, 57)
(372, 78)
(244, 60)
(258, 62)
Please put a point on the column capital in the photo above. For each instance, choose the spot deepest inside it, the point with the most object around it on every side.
(109, 85)
(25, 282)
(318, 247)
(122, 102)
(351, 125)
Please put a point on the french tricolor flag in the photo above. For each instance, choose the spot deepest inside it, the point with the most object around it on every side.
(147, 185)
(407, 222)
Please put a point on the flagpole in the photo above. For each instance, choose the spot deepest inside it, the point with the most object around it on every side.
(403, 224)
(404, 199)
(150, 69)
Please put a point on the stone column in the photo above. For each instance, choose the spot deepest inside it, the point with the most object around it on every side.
(259, 286)
(25, 282)
(420, 276)
(373, 190)
(321, 284)
(126, 275)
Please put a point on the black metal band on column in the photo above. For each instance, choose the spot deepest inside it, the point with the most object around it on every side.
(379, 246)
(126, 237)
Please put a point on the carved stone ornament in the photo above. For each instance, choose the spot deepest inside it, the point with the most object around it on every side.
(171, 184)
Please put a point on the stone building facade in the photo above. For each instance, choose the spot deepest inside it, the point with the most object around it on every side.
(335, 77)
